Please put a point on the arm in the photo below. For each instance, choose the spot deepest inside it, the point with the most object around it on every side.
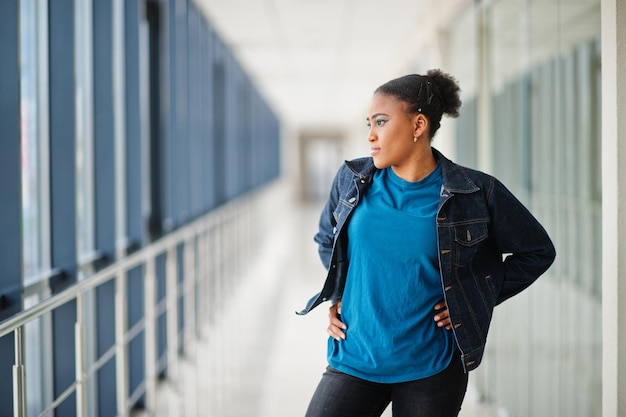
(518, 233)
(326, 227)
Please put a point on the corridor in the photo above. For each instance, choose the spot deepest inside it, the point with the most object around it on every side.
(153, 253)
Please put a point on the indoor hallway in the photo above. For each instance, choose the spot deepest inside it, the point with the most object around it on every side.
(258, 358)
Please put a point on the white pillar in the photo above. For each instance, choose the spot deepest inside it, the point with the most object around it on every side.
(613, 208)
(485, 140)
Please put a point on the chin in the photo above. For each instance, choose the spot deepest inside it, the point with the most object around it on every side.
(380, 164)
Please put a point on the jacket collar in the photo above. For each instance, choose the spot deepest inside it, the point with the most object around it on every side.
(456, 178)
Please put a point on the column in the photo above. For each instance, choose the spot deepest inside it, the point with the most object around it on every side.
(613, 208)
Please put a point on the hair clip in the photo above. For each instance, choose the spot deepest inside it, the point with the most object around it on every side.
(429, 92)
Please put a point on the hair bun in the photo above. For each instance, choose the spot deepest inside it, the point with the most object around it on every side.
(448, 89)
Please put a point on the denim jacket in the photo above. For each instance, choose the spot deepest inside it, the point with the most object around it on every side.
(490, 246)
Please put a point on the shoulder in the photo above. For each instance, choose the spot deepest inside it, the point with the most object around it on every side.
(351, 175)
(479, 177)
(461, 179)
(361, 166)
(355, 168)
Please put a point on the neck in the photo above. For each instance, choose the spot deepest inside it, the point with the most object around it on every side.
(418, 167)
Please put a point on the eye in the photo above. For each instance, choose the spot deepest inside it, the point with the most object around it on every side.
(378, 122)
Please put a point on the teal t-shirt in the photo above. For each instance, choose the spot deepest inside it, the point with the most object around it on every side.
(393, 284)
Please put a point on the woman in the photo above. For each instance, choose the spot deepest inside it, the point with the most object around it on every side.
(414, 245)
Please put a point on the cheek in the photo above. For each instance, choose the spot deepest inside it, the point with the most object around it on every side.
(398, 144)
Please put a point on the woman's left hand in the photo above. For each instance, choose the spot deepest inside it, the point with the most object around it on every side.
(442, 318)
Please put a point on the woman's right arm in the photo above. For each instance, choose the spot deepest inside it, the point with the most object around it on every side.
(325, 236)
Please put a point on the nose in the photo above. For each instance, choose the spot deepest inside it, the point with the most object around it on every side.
(371, 137)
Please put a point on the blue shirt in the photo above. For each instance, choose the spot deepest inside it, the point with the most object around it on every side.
(393, 284)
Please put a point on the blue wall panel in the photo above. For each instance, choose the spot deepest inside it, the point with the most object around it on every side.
(10, 157)
(62, 192)
(195, 110)
(62, 139)
(136, 347)
(105, 299)
(217, 160)
(63, 353)
(104, 193)
(134, 219)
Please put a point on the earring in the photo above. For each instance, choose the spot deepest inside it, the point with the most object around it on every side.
(415, 139)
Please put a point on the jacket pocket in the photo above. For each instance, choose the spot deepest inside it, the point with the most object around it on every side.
(466, 238)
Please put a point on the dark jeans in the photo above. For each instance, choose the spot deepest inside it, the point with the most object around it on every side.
(342, 395)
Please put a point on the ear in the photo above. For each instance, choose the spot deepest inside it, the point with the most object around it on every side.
(420, 125)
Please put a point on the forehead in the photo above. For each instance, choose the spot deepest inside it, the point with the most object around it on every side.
(383, 103)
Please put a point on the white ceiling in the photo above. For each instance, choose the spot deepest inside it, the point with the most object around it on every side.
(318, 61)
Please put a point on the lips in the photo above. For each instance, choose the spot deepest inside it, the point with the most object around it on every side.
(374, 151)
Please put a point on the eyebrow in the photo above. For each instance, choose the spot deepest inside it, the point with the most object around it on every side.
(375, 115)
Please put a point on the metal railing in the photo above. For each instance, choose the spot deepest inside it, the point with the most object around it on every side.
(215, 249)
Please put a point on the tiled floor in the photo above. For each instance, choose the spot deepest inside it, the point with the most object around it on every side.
(258, 358)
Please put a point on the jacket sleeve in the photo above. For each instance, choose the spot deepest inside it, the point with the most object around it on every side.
(325, 235)
(518, 234)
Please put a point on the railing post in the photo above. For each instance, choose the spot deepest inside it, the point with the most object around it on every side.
(171, 301)
(80, 358)
(151, 338)
(203, 273)
(190, 332)
(171, 285)
(190, 289)
(19, 376)
(121, 351)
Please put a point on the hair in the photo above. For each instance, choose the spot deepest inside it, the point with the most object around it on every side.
(432, 95)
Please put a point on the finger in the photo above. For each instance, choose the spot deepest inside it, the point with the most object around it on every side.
(442, 315)
(443, 322)
(336, 321)
(336, 328)
(336, 332)
(440, 305)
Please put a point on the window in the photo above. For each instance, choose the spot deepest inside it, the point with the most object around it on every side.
(34, 131)
(84, 132)
(35, 192)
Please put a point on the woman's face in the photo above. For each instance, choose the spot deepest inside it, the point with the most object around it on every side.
(391, 131)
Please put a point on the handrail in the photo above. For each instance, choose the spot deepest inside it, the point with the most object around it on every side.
(108, 273)
(231, 230)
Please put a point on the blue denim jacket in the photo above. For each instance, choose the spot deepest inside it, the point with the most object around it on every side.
(478, 222)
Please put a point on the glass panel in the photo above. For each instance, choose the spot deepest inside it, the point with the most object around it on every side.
(31, 222)
(463, 65)
(35, 196)
(543, 85)
(35, 200)
(84, 129)
(34, 133)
